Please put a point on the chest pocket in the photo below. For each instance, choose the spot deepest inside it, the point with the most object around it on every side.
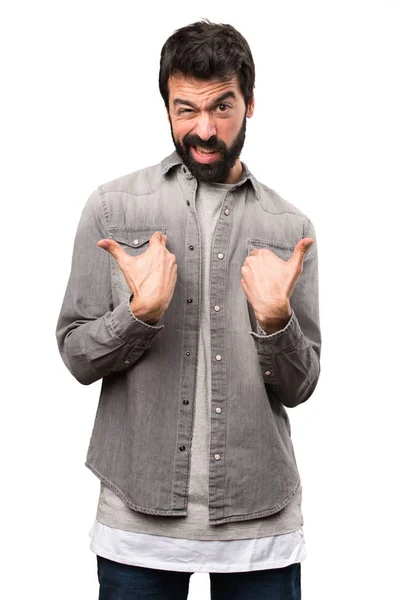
(281, 250)
(135, 241)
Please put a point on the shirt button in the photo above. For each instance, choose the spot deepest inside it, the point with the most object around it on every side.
(217, 456)
(218, 357)
(218, 410)
(182, 448)
(191, 247)
(187, 202)
(187, 352)
(127, 362)
(135, 242)
(227, 211)
(186, 402)
(184, 169)
(220, 255)
(189, 300)
(268, 373)
(217, 308)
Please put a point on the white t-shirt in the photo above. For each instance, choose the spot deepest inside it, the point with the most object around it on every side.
(175, 554)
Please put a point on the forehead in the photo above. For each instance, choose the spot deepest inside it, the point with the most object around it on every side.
(200, 90)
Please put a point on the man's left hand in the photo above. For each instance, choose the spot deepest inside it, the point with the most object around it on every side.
(269, 281)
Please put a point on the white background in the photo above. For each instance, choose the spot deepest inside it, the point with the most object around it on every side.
(81, 106)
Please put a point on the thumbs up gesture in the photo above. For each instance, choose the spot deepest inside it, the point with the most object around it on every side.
(151, 276)
(268, 282)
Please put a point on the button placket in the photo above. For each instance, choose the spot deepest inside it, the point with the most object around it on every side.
(190, 324)
(218, 267)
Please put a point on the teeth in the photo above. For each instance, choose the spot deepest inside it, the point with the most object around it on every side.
(201, 151)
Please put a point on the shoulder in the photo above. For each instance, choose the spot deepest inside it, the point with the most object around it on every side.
(286, 215)
(275, 203)
(140, 182)
(272, 202)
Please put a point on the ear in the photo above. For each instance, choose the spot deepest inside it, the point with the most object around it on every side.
(250, 107)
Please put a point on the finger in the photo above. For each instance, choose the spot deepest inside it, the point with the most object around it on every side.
(308, 242)
(244, 286)
(164, 240)
(300, 250)
(253, 252)
(113, 248)
(156, 238)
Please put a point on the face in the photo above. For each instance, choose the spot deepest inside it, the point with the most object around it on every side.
(208, 125)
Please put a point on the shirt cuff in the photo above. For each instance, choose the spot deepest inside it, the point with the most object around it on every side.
(127, 327)
(283, 340)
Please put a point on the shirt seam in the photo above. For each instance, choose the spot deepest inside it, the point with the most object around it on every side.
(135, 193)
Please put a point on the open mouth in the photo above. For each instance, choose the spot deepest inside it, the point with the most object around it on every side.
(204, 155)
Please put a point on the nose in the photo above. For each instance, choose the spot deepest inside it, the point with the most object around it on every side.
(205, 127)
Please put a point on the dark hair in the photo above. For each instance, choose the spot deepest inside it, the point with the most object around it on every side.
(204, 50)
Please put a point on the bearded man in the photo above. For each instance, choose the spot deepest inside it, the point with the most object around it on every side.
(193, 296)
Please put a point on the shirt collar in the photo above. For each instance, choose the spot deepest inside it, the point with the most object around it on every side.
(174, 159)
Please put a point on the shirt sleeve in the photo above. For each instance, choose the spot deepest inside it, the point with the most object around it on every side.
(290, 358)
(94, 337)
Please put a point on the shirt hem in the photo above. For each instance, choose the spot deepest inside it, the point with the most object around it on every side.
(236, 568)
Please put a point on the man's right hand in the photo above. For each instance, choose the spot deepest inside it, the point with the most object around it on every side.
(151, 276)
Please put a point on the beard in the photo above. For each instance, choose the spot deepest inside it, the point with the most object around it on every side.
(218, 170)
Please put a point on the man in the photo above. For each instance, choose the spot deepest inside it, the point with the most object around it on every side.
(193, 295)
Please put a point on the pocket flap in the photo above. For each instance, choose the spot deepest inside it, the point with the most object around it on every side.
(281, 250)
(135, 237)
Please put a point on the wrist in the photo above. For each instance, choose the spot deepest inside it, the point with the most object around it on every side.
(276, 320)
(144, 313)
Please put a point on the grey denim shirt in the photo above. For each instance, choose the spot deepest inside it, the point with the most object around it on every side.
(141, 439)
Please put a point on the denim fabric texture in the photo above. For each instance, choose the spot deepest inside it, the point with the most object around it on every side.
(141, 438)
(123, 582)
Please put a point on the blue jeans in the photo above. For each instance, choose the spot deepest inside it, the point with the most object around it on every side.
(126, 582)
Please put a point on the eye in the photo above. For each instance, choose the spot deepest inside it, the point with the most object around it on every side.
(184, 110)
(223, 107)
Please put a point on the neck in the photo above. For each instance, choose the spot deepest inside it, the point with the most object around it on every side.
(235, 173)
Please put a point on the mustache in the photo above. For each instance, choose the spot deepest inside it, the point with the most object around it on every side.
(213, 143)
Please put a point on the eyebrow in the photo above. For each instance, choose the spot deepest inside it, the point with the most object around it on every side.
(230, 94)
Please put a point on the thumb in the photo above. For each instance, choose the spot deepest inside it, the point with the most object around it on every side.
(300, 250)
(156, 238)
(113, 248)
